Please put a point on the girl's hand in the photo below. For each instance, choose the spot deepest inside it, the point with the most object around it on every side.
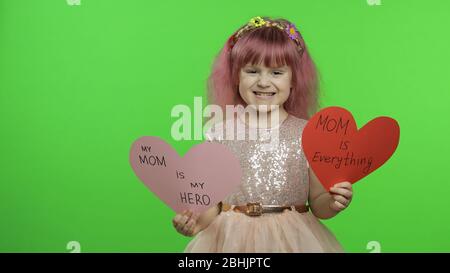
(186, 223)
(342, 196)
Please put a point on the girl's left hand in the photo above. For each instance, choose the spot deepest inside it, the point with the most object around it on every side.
(342, 196)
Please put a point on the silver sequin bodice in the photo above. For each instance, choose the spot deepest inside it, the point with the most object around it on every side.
(271, 176)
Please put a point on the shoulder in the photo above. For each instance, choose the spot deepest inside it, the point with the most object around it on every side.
(299, 124)
(296, 123)
(299, 120)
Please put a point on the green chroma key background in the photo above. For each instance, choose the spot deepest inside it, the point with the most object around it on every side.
(78, 84)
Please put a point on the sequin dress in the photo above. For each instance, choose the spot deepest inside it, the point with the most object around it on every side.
(271, 176)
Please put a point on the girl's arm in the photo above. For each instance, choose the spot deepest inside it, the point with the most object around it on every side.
(189, 223)
(323, 204)
(206, 218)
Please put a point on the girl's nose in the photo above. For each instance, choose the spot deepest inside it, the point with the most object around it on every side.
(263, 81)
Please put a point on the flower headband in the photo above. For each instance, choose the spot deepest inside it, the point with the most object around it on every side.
(257, 22)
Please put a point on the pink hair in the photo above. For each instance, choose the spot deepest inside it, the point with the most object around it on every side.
(274, 48)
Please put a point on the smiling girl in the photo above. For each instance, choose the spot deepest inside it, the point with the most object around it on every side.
(266, 67)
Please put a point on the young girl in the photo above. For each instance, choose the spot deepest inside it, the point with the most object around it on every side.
(265, 65)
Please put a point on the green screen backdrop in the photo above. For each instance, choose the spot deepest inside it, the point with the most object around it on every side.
(80, 83)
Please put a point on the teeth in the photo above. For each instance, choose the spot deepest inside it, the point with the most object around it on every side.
(264, 94)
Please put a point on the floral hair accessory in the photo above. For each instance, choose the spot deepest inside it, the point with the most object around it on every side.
(257, 22)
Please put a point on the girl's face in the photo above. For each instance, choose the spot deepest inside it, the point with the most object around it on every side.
(264, 86)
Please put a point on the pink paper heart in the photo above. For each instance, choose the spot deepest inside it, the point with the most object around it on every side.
(201, 179)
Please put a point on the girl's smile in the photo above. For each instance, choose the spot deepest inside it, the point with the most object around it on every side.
(264, 95)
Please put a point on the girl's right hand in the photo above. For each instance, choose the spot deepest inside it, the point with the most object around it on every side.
(186, 223)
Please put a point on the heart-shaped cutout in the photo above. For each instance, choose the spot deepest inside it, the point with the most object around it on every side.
(202, 178)
(337, 151)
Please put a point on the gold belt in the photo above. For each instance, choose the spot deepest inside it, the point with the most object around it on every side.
(257, 209)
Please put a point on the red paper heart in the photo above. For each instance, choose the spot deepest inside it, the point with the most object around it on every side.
(202, 178)
(337, 151)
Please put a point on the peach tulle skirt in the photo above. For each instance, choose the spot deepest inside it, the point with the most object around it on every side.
(289, 231)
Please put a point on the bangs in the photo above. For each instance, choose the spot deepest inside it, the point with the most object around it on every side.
(268, 46)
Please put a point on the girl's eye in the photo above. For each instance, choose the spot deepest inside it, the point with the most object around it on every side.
(274, 72)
